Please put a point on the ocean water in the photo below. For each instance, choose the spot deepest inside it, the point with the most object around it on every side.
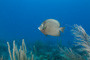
(20, 19)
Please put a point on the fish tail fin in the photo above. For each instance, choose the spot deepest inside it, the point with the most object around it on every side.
(62, 29)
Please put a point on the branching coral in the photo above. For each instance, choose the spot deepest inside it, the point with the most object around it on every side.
(19, 54)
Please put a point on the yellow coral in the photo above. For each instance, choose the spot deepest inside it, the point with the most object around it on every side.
(19, 54)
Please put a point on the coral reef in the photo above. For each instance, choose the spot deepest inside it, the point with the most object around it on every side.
(3, 50)
(38, 53)
(1, 58)
(45, 51)
(42, 51)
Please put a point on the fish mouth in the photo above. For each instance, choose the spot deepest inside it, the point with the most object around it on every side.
(38, 28)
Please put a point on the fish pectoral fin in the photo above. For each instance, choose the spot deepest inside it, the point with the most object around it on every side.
(62, 29)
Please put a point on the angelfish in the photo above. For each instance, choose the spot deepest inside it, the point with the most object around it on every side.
(51, 27)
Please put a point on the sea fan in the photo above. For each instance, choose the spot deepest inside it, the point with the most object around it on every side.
(82, 39)
(70, 54)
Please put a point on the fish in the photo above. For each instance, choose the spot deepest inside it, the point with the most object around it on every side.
(51, 27)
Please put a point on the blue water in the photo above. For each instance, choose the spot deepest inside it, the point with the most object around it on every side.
(21, 18)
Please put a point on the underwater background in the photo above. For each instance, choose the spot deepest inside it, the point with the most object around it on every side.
(20, 19)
